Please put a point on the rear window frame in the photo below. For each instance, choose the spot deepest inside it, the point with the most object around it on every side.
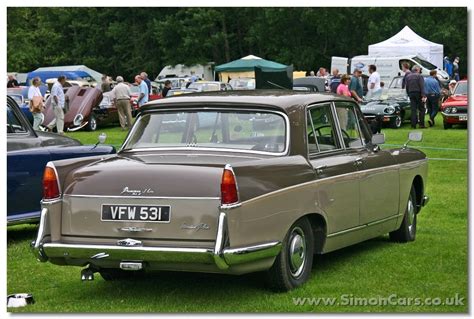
(211, 107)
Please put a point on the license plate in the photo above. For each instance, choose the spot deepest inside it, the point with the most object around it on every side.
(463, 117)
(136, 213)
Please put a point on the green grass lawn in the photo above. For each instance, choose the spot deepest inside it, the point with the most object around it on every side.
(434, 266)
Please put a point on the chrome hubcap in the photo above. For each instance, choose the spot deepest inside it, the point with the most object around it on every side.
(297, 251)
(398, 121)
(411, 215)
(93, 123)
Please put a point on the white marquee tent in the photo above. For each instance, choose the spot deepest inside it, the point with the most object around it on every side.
(407, 42)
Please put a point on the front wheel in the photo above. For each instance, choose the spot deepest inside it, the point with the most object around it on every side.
(447, 125)
(407, 230)
(92, 125)
(397, 122)
(292, 266)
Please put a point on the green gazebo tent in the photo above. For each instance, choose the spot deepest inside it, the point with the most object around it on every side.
(245, 67)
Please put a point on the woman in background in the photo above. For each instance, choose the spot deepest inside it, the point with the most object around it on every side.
(36, 103)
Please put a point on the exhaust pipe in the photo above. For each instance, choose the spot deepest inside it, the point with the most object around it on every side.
(88, 274)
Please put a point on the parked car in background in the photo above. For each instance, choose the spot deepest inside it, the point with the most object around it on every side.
(82, 101)
(23, 105)
(232, 182)
(28, 151)
(392, 105)
(242, 83)
(454, 109)
(209, 86)
(135, 90)
(310, 84)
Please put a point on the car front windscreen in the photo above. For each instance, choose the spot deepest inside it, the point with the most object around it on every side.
(251, 131)
(461, 89)
(425, 64)
(204, 87)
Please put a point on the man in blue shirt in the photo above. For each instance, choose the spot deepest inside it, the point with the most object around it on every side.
(356, 87)
(433, 93)
(143, 98)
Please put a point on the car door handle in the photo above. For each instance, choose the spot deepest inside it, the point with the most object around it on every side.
(319, 169)
(358, 161)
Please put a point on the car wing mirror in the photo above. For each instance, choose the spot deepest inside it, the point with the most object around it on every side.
(378, 138)
(413, 137)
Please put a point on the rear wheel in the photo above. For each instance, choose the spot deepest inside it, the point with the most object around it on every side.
(407, 230)
(293, 265)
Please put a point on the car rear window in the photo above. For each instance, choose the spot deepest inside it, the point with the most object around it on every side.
(251, 131)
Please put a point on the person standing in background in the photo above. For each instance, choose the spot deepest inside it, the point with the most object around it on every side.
(433, 94)
(167, 87)
(343, 88)
(456, 69)
(415, 87)
(374, 80)
(36, 103)
(406, 70)
(448, 66)
(122, 95)
(143, 98)
(58, 102)
(144, 76)
(335, 80)
(355, 86)
(105, 85)
(12, 82)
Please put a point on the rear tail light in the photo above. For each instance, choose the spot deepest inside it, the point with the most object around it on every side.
(50, 183)
(229, 193)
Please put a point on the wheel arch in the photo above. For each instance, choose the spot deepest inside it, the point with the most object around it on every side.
(419, 190)
(319, 227)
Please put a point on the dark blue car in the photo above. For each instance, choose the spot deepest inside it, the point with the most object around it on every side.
(28, 151)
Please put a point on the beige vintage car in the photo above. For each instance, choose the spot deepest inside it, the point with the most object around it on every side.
(231, 183)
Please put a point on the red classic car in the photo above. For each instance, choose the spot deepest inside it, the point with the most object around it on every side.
(135, 90)
(454, 109)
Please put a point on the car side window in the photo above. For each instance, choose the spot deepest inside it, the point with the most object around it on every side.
(349, 125)
(13, 122)
(321, 130)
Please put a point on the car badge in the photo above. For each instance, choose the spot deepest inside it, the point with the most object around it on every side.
(197, 227)
(137, 192)
(128, 242)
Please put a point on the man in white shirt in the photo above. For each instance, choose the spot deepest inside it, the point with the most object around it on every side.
(57, 102)
(374, 80)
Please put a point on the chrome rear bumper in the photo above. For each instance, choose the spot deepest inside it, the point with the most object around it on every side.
(222, 257)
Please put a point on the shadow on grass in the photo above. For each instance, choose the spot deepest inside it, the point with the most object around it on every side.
(168, 284)
(332, 259)
(21, 232)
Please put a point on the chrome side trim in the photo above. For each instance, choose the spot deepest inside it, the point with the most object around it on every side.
(140, 197)
(454, 114)
(37, 244)
(77, 128)
(50, 202)
(417, 163)
(345, 231)
(32, 220)
(220, 242)
(234, 256)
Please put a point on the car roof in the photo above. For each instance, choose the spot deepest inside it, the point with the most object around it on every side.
(277, 99)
